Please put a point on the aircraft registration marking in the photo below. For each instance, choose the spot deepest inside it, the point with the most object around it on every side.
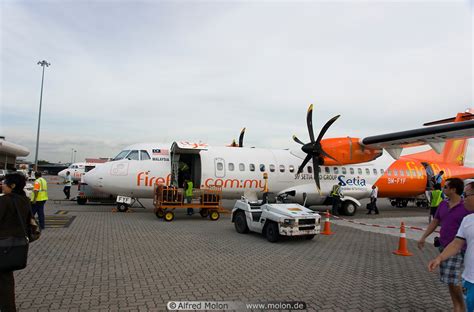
(396, 180)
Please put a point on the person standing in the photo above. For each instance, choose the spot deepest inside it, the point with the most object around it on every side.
(67, 185)
(188, 193)
(39, 198)
(449, 215)
(13, 202)
(373, 200)
(336, 195)
(436, 198)
(438, 179)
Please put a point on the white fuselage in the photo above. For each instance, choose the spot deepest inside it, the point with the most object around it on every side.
(235, 170)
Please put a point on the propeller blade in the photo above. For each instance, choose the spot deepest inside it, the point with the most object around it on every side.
(297, 140)
(316, 172)
(323, 153)
(241, 138)
(326, 127)
(305, 161)
(309, 121)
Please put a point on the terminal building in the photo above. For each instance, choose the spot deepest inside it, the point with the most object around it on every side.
(9, 152)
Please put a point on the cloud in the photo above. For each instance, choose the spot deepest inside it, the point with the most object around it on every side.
(125, 72)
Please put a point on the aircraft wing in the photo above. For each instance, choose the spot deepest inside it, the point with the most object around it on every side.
(434, 136)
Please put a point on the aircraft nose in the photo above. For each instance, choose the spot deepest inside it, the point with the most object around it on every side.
(62, 173)
(94, 177)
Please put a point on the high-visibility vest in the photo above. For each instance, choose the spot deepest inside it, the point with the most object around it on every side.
(43, 190)
(436, 198)
(335, 190)
(189, 189)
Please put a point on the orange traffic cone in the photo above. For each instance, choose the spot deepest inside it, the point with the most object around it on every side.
(402, 244)
(327, 225)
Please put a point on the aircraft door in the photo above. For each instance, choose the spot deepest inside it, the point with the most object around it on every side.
(219, 167)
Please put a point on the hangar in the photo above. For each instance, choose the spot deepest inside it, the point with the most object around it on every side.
(9, 152)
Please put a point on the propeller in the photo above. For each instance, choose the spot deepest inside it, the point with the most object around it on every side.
(241, 138)
(313, 149)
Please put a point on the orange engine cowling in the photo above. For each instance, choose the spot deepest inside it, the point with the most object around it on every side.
(347, 151)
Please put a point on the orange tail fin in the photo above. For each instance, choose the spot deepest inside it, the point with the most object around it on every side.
(454, 149)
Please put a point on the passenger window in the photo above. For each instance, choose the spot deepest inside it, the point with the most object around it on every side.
(133, 155)
(220, 166)
(292, 168)
(336, 170)
(241, 167)
(382, 171)
(272, 168)
(310, 169)
(351, 170)
(402, 173)
(252, 167)
(282, 168)
(144, 155)
(395, 172)
(359, 170)
(389, 172)
(367, 171)
(408, 173)
(343, 169)
(231, 166)
(413, 173)
(375, 171)
(262, 168)
(327, 169)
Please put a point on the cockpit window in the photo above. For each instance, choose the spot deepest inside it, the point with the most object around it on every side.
(133, 155)
(121, 155)
(144, 155)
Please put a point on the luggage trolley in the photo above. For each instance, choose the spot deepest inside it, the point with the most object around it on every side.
(169, 198)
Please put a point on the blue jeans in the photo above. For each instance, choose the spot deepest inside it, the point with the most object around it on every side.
(469, 295)
(189, 199)
(38, 207)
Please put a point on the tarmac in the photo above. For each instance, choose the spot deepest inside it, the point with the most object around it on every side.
(92, 259)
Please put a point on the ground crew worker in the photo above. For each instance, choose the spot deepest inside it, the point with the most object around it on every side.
(439, 178)
(188, 186)
(67, 185)
(39, 196)
(437, 197)
(373, 200)
(336, 195)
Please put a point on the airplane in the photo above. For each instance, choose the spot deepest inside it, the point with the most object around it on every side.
(356, 163)
(77, 170)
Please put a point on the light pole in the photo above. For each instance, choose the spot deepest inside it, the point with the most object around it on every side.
(75, 155)
(72, 154)
(42, 63)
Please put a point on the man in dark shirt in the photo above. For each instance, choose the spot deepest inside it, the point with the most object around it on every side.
(449, 216)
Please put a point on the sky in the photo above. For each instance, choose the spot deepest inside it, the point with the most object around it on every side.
(124, 72)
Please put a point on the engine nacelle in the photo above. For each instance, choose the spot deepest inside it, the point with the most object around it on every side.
(348, 151)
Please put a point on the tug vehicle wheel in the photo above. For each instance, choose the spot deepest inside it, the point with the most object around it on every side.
(204, 213)
(160, 213)
(168, 216)
(214, 215)
(271, 232)
(309, 237)
(122, 207)
(240, 223)
(81, 200)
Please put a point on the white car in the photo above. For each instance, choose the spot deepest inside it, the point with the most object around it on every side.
(275, 220)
